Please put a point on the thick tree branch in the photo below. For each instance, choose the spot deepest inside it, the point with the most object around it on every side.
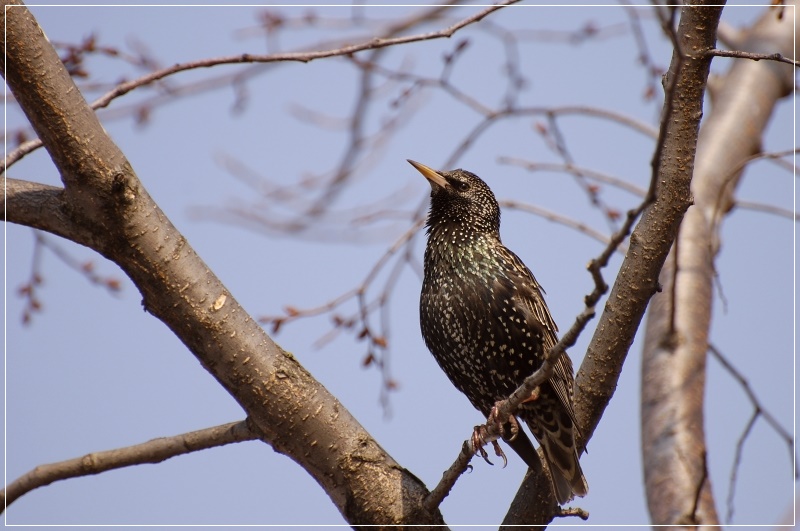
(676, 337)
(154, 451)
(37, 205)
(114, 215)
(650, 241)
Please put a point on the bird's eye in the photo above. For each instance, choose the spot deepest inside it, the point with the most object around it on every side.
(461, 186)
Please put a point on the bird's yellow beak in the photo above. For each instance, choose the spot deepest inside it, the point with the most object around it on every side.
(433, 176)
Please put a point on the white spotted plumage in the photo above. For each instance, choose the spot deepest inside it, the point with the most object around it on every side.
(484, 319)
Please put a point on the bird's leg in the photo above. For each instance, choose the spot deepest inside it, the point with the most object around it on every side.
(511, 425)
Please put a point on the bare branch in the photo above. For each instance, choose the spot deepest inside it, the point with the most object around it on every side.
(677, 329)
(30, 288)
(737, 460)
(758, 411)
(120, 220)
(769, 209)
(572, 511)
(585, 110)
(557, 218)
(595, 175)
(304, 57)
(154, 451)
(754, 56)
(450, 476)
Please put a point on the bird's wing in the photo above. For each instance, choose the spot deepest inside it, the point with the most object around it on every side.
(530, 298)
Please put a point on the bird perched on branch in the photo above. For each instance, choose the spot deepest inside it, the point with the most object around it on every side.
(485, 321)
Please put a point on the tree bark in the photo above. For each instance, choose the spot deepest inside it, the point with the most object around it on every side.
(650, 242)
(676, 333)
(104, 206)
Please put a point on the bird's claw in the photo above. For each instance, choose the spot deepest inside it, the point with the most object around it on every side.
(499, 452)
(479, 437)
(512, 426)
(478, 441)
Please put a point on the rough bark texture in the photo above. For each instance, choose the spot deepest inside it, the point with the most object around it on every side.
(104, 206)
(650, 242)
(676, 335)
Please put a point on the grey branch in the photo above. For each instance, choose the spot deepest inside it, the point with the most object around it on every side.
(754, 56)
(111, 212)
(154, 451)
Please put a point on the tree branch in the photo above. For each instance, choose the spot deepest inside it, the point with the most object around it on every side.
(676, 333)
(154, 451)
(758, 410)
(113, 214)
(37, 205)
(303, 57)
(754, 56)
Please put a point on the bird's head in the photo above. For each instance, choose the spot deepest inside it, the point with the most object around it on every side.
(462, 198)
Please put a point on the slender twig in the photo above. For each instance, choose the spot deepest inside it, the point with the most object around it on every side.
(449, 478)
(652, 71)
(592, 192)
(758, 411)
(757, 405)
(244, 58)
(769, 209)
(754, 56)
(112, 284)
(595, 175)
(154, 451)
(737, 461)
(773, 155)
(564, 512)
(521, 112)
(28, 290)
(556, 218)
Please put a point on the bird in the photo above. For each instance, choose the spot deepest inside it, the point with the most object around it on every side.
(484, 318)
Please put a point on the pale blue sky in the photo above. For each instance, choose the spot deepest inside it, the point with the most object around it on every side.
(94, 372)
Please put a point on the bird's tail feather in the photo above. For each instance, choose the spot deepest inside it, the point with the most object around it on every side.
(565, 470)
(558, 442)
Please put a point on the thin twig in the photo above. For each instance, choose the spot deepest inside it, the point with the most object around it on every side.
(737, 461)
(754, 56)
(449, 478)
(593, 192)
(772, 155)
(154, 451)
(595, 175)
(556, 218)
(758, 411)
(564, 512)
(303, 57)
(769, 209)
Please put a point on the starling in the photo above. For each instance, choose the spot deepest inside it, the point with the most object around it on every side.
(486, 323)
